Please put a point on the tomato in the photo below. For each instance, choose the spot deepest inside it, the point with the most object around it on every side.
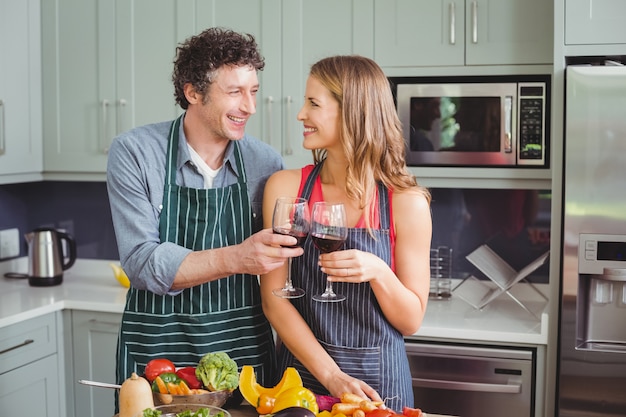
(411, 412)
(380, 412)
(157, 367)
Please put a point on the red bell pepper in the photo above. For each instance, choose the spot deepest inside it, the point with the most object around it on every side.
(188, 374)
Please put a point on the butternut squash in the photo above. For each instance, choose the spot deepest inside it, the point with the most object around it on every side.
(135, 396)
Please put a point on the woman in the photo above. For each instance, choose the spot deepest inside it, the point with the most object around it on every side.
(356, 346)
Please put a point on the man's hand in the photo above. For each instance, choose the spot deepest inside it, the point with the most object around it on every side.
(264, 251)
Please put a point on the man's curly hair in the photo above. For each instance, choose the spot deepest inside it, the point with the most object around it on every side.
(199, 57)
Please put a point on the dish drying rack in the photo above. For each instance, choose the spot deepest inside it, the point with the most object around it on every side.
(478, 293)
(440, 273)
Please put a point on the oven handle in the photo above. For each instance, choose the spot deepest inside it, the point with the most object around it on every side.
(467, 386)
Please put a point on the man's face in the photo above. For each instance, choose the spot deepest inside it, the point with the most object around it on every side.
(229, 102)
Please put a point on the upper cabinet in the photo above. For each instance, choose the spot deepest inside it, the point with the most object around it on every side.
(594, 22)
(108, 68)
(292, 35)
(20, 87)
(414, 33)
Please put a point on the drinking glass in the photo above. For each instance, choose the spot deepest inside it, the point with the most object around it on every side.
(328, 232)
(291, 217)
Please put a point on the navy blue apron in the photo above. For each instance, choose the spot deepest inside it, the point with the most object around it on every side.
(354, 332)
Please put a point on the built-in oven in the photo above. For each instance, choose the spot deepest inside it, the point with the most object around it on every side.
(472, 381)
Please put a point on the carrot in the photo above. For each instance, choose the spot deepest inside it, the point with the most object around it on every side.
(346, 408)
(367, 406)
(349, 398)
(358, 413)
(183, 388)
(161, 385)
(173, 388)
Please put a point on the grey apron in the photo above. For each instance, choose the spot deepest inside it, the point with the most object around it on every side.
(222, 315)
(354, 332)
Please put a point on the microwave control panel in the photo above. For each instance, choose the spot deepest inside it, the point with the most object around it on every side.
(532, 126)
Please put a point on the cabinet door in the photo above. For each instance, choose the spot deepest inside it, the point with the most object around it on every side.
(32, 390)
(590, 22)
(498, 33)
(292, 35)
(423, 33)
(95, 346)
(108, 69)
(20, 87)
(312, 30)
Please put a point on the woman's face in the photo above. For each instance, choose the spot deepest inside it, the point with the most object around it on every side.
(320, 116)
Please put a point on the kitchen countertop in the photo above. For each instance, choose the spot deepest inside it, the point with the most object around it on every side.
(90, 285)
(246, 410)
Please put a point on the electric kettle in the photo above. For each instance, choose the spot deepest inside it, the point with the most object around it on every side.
(46, 260)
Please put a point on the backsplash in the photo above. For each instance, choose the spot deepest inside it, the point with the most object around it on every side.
(514, 223)
(81, 208)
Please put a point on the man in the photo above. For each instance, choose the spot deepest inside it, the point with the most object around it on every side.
(186, 199)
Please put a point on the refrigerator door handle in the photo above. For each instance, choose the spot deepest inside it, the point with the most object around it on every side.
(467, 386)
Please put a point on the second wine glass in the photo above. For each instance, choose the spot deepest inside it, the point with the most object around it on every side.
(291, 217)
(328, 232)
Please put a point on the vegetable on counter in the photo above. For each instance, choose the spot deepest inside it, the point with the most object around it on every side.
(188, 374)
(296, 397)
(264, 398)
(162, 381)
(202, 412)
(218, 371)
(157, 367)
(295, 412)
(135, 395)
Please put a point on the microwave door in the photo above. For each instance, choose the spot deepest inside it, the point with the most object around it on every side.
(458, 125)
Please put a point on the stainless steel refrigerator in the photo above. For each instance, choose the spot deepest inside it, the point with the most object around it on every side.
(592, 339)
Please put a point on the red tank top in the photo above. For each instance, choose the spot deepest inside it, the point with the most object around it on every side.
(317, 195)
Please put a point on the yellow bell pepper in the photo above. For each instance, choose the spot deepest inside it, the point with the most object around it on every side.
(296, 397)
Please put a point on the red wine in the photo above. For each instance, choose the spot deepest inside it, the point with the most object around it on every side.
(327, 243)
(300, 236)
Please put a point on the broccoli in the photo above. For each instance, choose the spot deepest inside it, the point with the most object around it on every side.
(218, 371)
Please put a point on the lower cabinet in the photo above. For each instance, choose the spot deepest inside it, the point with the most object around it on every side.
(30, 384)
(93, 352)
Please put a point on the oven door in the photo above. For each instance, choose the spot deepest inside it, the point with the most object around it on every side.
(464, 124)
(472, 381)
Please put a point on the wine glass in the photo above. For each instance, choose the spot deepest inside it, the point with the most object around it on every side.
(291, 217)
(328, 232)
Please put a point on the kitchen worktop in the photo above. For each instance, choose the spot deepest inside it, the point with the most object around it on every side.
(89, 285)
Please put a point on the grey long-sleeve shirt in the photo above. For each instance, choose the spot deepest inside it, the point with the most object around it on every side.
(135, 181)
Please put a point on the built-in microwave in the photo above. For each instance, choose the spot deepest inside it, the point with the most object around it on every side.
(475, 121)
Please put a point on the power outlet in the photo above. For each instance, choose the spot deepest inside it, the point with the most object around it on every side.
(9, 243)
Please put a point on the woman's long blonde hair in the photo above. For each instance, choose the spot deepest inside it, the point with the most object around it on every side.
(371, 132)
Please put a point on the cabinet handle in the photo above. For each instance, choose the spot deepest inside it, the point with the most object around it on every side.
(287, 138)
(467, 386)
(474, 22)
(104, 107)
(2, 129)
(268, 112)
(24, 343)
(508, 124)
(121, 111)
(452, 11)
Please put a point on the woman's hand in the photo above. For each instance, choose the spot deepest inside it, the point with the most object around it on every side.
(341, 383)
(352, 266)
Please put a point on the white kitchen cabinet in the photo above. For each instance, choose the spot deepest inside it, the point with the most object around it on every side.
(29, 369)
(422, 33)
(94, 347)
(108, 68)
(595, 22)
(20, 87)
(292, 35)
